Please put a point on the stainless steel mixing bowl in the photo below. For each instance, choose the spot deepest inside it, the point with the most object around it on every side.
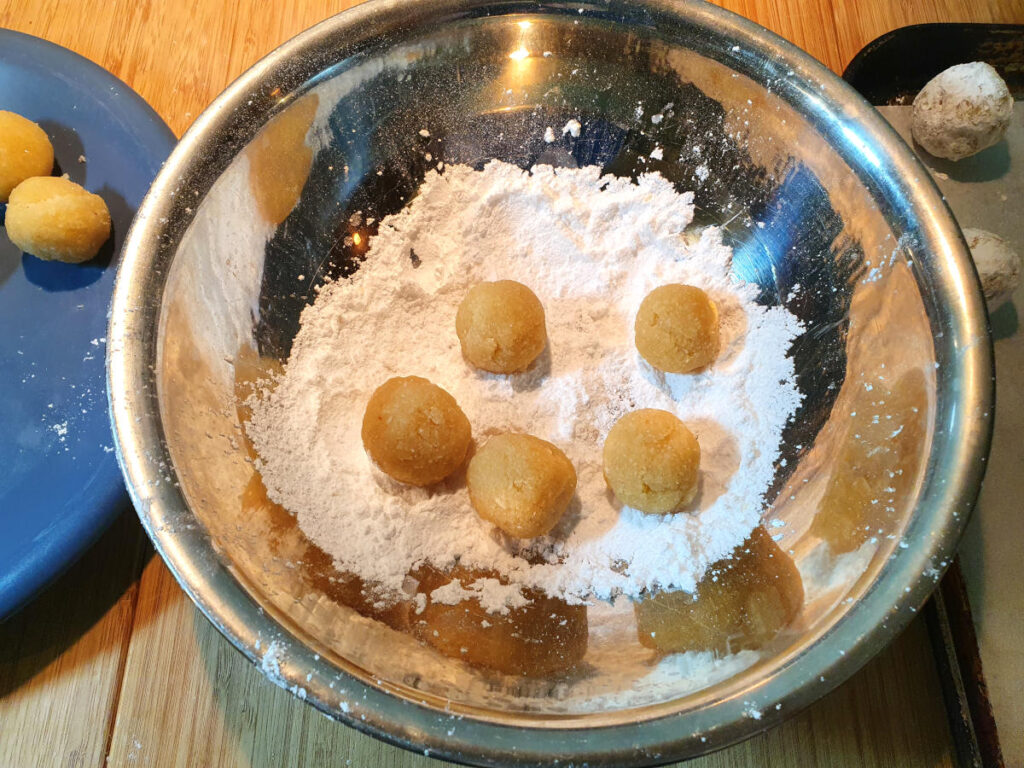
(827, 211)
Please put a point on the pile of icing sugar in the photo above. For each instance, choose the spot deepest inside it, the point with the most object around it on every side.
(591, 247)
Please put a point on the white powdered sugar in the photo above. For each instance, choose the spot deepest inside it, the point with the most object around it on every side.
(490, 593)
(591, 247)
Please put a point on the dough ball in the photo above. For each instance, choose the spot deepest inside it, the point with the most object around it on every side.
(25, 151)
(547, 636)
(677, 329)
(962, 111)
(415, 431)
(55, 219)
(651, 461)
(501, 326)
(521, 483)
(742, 603)
(998, 265)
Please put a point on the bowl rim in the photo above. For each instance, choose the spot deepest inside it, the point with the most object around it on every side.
(902, 584)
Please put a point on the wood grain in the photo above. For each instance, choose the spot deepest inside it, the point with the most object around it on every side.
(177, 55)
(223, 711)
(807, 25)
(62, 657)
(108, 664)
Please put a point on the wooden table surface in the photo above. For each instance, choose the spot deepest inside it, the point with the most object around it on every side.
(112, 663)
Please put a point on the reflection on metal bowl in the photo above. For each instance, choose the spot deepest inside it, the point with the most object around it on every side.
(826, 211)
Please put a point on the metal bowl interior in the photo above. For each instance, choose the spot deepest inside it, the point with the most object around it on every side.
(826, 210)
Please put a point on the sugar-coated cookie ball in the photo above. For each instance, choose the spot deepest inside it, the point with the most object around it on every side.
(415, 431)
(962, 111)
(501, 326)
(55, 219)
(677, 328)
(651, 461)
(25, 151)
(742, 603)
(997, 263)
(521, 483)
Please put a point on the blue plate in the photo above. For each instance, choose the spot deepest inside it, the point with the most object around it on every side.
(60, 485)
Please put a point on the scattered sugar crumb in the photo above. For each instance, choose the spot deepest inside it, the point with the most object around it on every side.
(572, 128)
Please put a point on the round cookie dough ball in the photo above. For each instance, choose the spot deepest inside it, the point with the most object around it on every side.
(676, 329)
(415, 431)
(962, 111)
(998, 265)
(55, 219)
(651, 461)
(501, 326)
(521, 483)
(25, 151)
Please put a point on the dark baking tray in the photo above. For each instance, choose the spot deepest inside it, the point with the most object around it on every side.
(892, 68)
